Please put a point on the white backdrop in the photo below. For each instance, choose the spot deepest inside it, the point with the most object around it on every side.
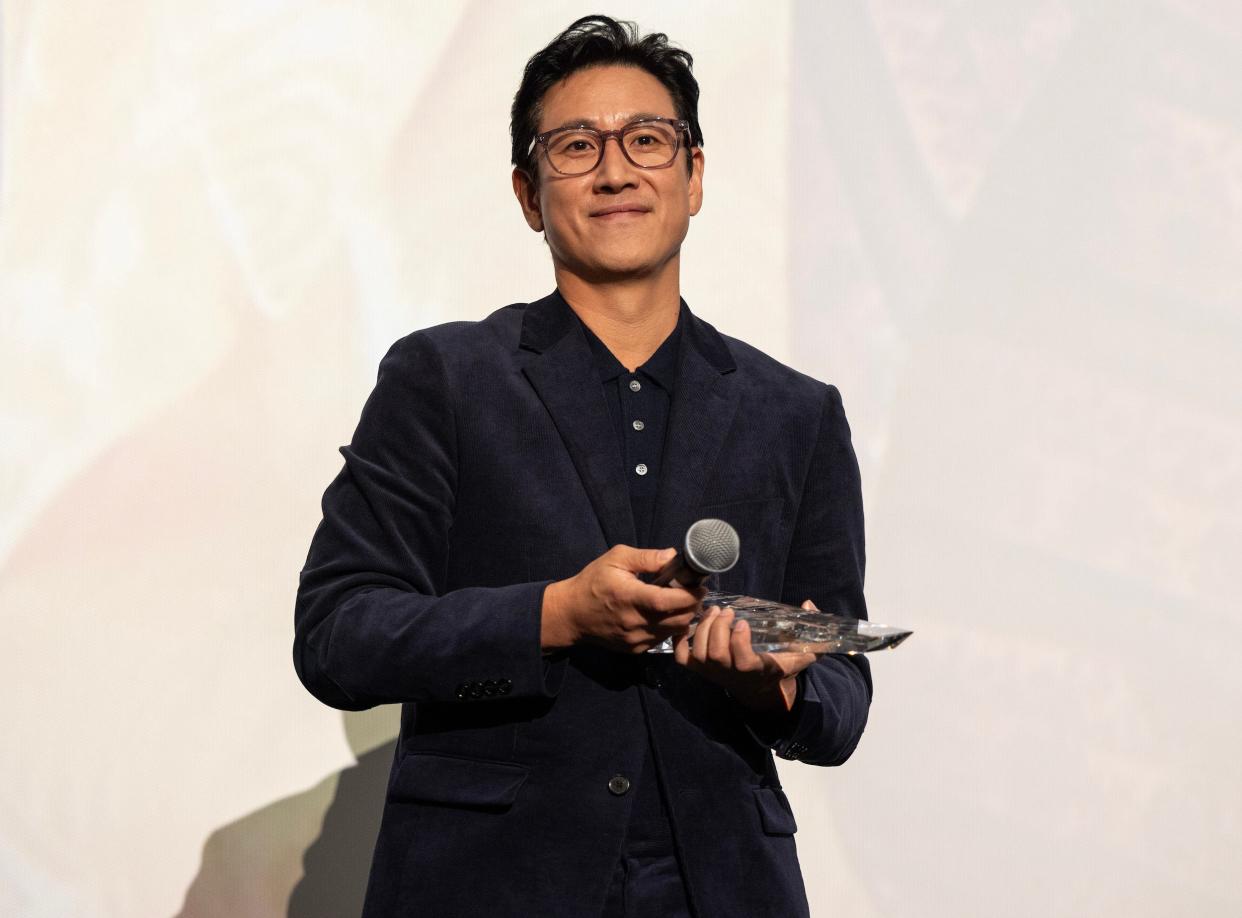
(1009, 232)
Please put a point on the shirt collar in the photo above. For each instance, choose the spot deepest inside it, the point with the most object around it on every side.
(660, 368)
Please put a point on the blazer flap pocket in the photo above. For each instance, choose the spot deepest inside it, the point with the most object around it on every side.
(774, 811)
(433, 778)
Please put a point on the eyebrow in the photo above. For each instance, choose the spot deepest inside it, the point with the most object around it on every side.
(592, 123)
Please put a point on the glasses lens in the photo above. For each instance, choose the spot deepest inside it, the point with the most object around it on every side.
(573, 151)
(650, 145)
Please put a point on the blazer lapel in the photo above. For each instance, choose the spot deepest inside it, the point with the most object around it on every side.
(705, 398)
(566, 380)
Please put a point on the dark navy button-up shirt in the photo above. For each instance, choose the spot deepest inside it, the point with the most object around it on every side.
(639, 403)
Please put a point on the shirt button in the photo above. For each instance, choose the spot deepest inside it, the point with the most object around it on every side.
(635, 385)
(641, 468)
(618, 784)
(639, 425)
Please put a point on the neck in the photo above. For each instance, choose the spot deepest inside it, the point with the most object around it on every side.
(632, 316)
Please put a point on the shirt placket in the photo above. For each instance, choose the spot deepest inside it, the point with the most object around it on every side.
(637, 407)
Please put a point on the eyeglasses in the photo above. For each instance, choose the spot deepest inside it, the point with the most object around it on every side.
(649, 144)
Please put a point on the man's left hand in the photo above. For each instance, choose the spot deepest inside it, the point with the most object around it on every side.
(722, 653)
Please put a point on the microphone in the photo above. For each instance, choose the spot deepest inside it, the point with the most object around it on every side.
(710, 547)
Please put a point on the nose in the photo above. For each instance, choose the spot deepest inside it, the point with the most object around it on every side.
(614, 171)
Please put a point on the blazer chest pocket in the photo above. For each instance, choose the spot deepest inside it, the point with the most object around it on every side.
(455, 781)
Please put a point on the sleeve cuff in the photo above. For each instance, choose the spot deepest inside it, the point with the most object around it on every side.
(785, 735)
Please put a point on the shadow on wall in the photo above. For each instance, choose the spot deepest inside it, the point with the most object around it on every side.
(306, 856)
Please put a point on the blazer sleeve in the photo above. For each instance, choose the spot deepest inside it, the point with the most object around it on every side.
(372, 623)
(826, 564)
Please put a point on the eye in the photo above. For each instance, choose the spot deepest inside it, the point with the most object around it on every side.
(573, 144)
(649, 138)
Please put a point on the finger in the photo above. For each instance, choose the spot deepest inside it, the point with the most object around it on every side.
(673, 624)
(807, 604)
(644, 560)
(703, 634)
(718, 644)
(642, 641)
(744, 657)
(662, 599)
(681, 648)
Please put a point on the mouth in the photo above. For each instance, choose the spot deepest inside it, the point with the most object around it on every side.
(620, 212)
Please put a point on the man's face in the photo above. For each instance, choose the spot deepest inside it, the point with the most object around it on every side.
(567, 208)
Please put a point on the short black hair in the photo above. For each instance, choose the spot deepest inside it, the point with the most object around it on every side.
(596, 41)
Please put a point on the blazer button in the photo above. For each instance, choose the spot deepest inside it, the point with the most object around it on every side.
(793, 751)
(476, 690)
(618, 784)
(463, 691)
(489, 687)
(504, 686)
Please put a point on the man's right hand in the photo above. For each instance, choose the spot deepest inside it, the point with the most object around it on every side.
(606, 603)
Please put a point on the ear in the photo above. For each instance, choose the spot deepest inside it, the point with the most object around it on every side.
(528, 196)
(695, 189)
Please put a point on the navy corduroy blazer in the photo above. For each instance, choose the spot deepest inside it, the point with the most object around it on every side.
(484, 467)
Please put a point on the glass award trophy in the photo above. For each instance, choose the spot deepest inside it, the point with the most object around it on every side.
(712, 547)
(777, 627)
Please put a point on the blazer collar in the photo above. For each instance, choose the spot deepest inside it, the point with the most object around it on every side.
(566, 379)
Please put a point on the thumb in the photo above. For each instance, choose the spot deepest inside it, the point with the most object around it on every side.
(650, 560)
(791, 663)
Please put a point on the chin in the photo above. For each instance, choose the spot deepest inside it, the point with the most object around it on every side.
(618, 269)
(623, 260)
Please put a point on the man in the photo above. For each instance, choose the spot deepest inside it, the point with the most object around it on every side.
(512, 482)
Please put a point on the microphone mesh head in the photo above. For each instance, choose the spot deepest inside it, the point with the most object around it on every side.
(712, 546)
